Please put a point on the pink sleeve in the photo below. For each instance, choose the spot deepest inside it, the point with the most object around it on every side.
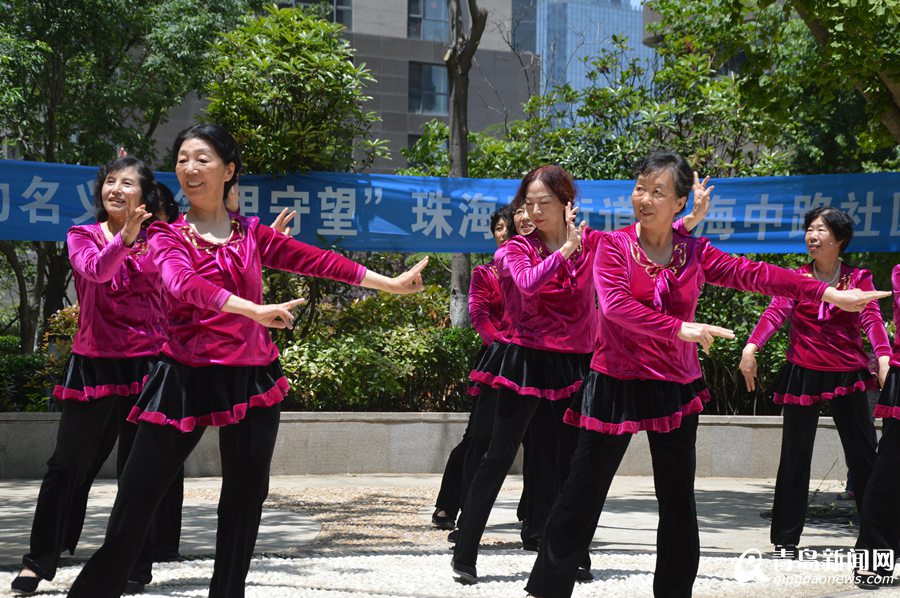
(282, 252)
(871, 319)
(171, 257)
(771, 320)
(895, 286)
(725, 270)
(618, 303)
(527, 277)
(91, 262)
(480, 296)
(681, 228)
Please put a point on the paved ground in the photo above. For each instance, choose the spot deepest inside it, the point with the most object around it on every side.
(355, 536)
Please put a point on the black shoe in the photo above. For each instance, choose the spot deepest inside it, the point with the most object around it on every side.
(532, 544)
(167, 556)
(443, 521)
(869, 580)
(787, 552)
(134, 587)
(452, 536)
(25, 585)
(465, 574)
(583, 575)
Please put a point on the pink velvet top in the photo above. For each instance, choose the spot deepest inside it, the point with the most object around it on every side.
(824, 337)
(486, 303)
(200, 276)
(548, 301)
(895, 285)
(642, 304)
(120, 296)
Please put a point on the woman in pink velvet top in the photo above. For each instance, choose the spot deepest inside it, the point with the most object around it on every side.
(121, 330)
(879, 530)
(219, 365)
(825, 362)
(645, 375)
(549, 331)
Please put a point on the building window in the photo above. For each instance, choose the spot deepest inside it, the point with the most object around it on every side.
(429, 91)
(340, 10)
(429, 20)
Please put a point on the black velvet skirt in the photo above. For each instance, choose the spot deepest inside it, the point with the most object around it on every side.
(889, 400)
(214, 395)
(797, 385)
(532, 372)
(609, 405)
(89, 378)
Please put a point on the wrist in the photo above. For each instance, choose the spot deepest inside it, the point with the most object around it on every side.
(750, 349)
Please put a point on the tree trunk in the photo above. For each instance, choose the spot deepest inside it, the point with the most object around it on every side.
(459, 63)
(26, 311)
(889, 112)
(58, 271)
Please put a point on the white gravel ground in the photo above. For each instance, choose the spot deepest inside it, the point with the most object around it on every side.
(503, 574)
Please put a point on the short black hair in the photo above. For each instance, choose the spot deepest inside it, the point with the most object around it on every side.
(682, 173)
(838, 221)
(167, 202)
(146, 180)
(222, 142)
(504, 213)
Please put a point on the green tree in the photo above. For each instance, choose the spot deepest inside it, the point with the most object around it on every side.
(285, 85)
(78, 79)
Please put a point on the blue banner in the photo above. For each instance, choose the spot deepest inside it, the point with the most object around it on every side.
(40, 201)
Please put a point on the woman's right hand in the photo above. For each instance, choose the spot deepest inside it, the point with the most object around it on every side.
(703, 334)
(852, 300)
(135, 215)
(748, 366)
(276, 315)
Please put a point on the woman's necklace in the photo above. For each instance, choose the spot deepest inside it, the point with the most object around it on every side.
(833, 280)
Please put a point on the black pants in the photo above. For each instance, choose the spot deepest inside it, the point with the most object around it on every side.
(513, 415)
(880, 524)
(465, 458)
(86, 435)
(166, 534)
(158, 453)
(573, 519)
(855, 428)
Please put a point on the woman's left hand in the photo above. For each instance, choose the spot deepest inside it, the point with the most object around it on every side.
(700, 209)
(884, 365)
(405, 284)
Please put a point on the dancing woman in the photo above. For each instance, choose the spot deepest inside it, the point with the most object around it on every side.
(550, 322)
(645, 375)
(825, 362)
(121, 330)
(879, 530)
(219, 366)
(486, 315)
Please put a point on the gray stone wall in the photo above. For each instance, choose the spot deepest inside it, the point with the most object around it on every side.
(327, 443)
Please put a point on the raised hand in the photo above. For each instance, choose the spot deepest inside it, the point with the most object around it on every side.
(852, 299)
(573, 231)
(702, 193)
(136, 214)
(283, 220)
(748, 366)
(703, 334)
